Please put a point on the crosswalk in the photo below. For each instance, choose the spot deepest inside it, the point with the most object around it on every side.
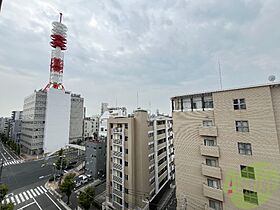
(24, 196)
(12, 162)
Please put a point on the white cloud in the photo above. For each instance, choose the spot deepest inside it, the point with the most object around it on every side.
(158, 48)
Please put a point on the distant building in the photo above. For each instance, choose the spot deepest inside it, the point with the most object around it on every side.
(227, 148)
(104, 107)
(95, 157)
(39, 128)
(140, 158)
(5, 126)
(111, 111)
(91, 126)
(76, 118)
(15, 126)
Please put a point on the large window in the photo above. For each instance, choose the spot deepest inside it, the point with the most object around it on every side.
(216, 205)
(207, 123)
(244, 148)
(215, 183)
(250, 196)
(211, 162)
(239, 104)
(208, 102)
(197, 103)
(242, 126)
(247, 172)
(209, 142)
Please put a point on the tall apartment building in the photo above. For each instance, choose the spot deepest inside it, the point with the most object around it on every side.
(15, 127)
(227, 148)
(140, 157)
(34, 117)
(91, 126)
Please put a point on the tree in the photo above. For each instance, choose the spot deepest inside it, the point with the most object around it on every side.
(68, 185)
(3, 191)
(86, 198)
(9, 206)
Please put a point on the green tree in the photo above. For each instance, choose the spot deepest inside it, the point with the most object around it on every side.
(3, 191)
(86, 198)
(9, 206)
(68, 185)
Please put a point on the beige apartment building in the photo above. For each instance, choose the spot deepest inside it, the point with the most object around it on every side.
(140, 158)
(227, 148)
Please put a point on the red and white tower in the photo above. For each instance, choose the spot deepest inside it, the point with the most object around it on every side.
(59, 44)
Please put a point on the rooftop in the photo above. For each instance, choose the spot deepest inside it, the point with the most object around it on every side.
(229, 89)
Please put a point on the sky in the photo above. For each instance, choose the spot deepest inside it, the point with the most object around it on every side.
(118, 48)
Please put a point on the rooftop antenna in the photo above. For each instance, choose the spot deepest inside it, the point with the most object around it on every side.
(220, 74)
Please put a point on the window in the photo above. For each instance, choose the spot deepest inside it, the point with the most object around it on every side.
(242, 126)
(208, 102)
(102, 129)
(197, 103)
(207, 123)
(244, 148)
(214, 204)
(250, 196)
(126, 163)
(117, 186)
(125, 138)
(126, 177)
(211, 162)
(215, 183)
(187, 104)
(126, 151)
(126, 205)
(209, 142)
(247, 172)
(117, 199)
(126, 190)
(239, 104)
(126, 125)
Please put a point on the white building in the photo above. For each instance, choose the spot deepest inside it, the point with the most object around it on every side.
(111, 112)
(4, 125)
(50, 120)
(91, 126)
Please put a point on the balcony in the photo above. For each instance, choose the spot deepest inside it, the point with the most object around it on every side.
(211, 171)
(117, 130)
(117, 192)
(212, 151)
(117, 141)
(214, 193)
(117, 154)
(117, 166)
(208, 131)
(117, 179)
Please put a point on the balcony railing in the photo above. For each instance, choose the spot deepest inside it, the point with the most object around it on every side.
(117, 141)
(117, 166)
(212, 151)
(214, 193)
(117, 179)
(116, 153)
(208, 131)
(211, 171)
(117, 130)
(117, 192)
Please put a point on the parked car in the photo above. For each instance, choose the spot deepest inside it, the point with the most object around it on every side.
(89, 176)
(84, 179)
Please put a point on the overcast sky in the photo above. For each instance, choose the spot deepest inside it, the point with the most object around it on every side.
(158, 48)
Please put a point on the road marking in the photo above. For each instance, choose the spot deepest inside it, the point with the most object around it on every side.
(36, 191)
(37, 204)
(17, 198)
(31, 190)
(43, 188)
(26, 206)
(41, 191)
(7, 200)
(53, 201)
(21, 197)
(31, 196)
(26, 197)
(8, 152)
(13, 200)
